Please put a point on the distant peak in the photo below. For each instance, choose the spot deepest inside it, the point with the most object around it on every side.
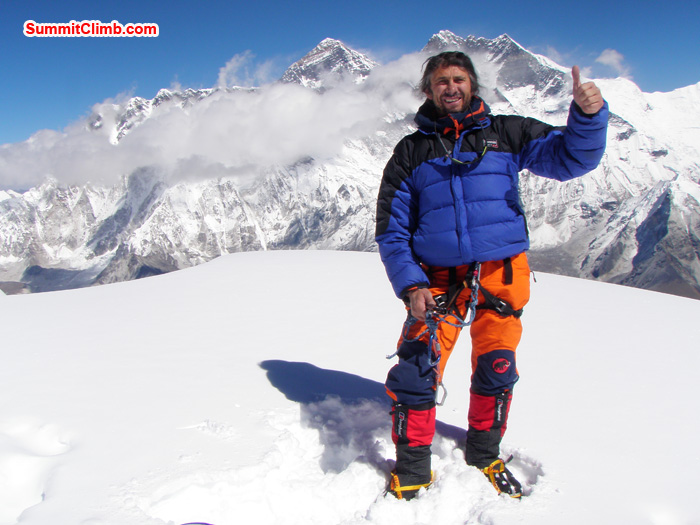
(446, 34)
(443, 41)
(505, 37)
(328, 42)
(446, 40)
(506, 41)
(332, 57)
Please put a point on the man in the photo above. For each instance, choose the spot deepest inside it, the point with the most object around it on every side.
(452, 235)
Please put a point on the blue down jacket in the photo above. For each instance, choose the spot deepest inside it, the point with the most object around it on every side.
(449, 194)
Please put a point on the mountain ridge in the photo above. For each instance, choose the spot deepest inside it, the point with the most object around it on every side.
(632, 221)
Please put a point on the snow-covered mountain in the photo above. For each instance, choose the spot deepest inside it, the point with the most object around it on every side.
(207, 172)
(636, 219)
(138, 109)
(329, 62)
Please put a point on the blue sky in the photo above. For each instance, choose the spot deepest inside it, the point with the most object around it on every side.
(48, 83)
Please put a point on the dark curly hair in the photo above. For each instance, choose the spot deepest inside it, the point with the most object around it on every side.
(446, 59)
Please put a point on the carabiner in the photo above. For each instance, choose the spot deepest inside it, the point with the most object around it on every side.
(436, 352)
(441, 401)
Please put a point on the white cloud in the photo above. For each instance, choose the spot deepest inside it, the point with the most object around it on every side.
(586, 72)
(228, 132)
(236, 71)
(554, 55)
(241, 70)
(614, 60)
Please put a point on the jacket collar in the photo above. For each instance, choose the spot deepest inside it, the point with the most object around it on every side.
(429, 121)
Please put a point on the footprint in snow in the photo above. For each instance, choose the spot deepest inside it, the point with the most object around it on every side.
(336, 443)
(28, 452)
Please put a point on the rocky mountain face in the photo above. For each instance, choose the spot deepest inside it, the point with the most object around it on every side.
(328, 63)
(633, 221)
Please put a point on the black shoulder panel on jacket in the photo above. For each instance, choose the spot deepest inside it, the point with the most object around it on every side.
(409, 153)
(515, 131)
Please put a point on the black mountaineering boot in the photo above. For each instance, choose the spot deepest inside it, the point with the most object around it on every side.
(413, 427)
(412, 471)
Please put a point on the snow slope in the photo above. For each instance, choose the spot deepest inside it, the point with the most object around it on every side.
(249, 390)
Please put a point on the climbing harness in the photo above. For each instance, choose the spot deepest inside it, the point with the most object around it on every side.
(501, 307)
(441, 313)
(445, 311)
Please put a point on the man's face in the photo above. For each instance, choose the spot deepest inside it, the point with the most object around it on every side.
(450, 89)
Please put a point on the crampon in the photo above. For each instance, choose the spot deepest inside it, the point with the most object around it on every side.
(502, 479)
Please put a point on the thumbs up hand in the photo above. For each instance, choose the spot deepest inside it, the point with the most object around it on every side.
(587, 95)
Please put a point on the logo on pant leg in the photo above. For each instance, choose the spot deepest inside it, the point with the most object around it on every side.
(501, 365)
(400, 424)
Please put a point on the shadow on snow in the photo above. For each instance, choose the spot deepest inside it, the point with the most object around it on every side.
(351, 413)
